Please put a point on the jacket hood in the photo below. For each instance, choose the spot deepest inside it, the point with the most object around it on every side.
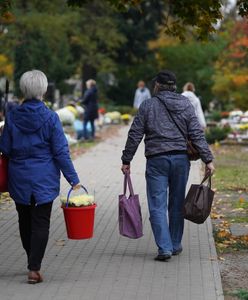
(175, 102)
(30, 116)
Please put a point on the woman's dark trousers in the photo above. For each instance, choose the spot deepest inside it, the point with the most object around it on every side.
(34, 223)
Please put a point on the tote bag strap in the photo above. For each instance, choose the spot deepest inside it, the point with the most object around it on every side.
(207, 177)
(128, 182)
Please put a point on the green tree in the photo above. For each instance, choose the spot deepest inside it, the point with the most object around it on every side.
(62, 41)
(200, 15)
(39, 47)
(135, 59)
(193, 62)
(95, 39)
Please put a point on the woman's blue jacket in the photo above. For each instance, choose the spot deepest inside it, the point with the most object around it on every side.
(35, 143)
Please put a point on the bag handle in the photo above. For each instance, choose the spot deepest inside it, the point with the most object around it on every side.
(207, 177)
(69, 193)
(127, 181)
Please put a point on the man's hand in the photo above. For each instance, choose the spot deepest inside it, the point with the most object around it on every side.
(125, 169)
(209, 170)
(76, 187)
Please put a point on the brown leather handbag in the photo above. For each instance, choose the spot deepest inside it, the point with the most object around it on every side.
(192, 152)
(198, 202)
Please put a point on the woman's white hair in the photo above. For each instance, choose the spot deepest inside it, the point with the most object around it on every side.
(33, 84)
(89, 83)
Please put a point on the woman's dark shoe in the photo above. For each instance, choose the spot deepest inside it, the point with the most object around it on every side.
(34, 277)
(163, 257)
(177, 252)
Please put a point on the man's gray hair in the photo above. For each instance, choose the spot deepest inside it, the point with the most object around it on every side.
(33, 84)
(164, 87)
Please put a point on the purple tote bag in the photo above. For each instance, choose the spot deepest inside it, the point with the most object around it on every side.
(130, 218)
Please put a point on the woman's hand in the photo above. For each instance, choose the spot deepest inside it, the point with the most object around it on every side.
(76, 187)
(125, 169)
(209, 170)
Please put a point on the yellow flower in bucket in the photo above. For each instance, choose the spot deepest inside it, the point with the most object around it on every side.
(80, 200)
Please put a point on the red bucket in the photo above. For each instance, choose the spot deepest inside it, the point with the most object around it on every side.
(79, 221)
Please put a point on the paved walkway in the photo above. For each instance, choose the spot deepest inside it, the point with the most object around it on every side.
(109, 266)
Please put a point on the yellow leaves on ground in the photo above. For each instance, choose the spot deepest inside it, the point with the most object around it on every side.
(221, 258)
(224, 239)
(216, 216)
(244, 238)
(223, 233)
(241, 200)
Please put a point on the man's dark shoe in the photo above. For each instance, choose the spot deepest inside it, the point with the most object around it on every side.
(177, 252)
(162, 257)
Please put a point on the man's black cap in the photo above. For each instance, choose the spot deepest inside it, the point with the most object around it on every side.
(165, 77)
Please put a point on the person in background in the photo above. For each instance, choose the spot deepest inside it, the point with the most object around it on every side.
(142, 93)
(168, 165)
(91, 107)
(189, 92)
(34, 141)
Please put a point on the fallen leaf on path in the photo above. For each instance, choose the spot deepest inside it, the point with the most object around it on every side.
(230, 242)
(237, 209)
(223, 233)
(60, 242)
(244, 238)
(216, 216)
(221, 258)
(212, 258)
(221, 245)
(241, 200)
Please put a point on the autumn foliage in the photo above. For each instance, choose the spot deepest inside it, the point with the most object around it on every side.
(231, 76)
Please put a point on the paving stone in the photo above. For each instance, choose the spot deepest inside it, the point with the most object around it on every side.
(239, 229)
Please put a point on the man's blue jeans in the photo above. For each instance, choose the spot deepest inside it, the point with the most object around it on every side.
(167, 174)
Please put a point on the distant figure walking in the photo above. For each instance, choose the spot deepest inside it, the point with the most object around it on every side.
(91, 107)
(142, 93)
(189, 92)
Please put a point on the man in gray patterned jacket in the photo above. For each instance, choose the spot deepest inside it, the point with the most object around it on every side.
(167, 161)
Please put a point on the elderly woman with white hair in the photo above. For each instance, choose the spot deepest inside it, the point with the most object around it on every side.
(35, 143)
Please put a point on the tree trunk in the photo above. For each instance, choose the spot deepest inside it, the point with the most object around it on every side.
(88, 72)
